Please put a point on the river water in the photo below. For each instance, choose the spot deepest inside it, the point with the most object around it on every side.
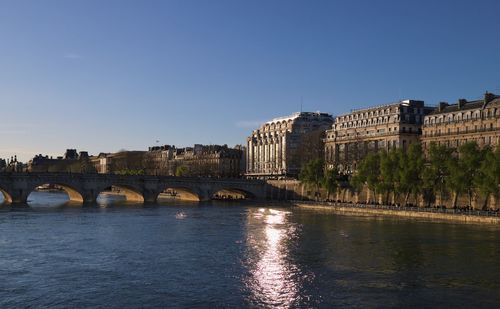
(233, 255)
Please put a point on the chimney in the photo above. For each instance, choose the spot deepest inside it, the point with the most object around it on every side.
(442, 106)
(488, 97)
(461, 103)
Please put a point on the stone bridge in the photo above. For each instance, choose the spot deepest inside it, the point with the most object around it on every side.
(85, 188)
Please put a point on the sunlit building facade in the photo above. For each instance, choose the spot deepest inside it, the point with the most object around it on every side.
(362, 131)
(454, 124)
(280, 147)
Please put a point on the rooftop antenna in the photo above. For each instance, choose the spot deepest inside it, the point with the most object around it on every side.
(301, 103)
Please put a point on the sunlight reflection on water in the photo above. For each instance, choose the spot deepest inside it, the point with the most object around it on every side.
(274, 279)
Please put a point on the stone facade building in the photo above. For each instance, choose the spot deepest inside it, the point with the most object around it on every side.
(71, 162)
(280, 147)
(199, 161)
(158, 160)
(454, 124)
(123, 162)
(362, 131)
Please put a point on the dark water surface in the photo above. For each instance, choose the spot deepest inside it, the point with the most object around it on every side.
(225, 255)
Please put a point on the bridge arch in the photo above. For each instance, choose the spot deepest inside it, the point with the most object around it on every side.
(231, 193)
(5, 197)
(73, 193)
(180, 193)
(131, 193)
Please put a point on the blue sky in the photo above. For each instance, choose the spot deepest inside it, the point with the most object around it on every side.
(108, 75)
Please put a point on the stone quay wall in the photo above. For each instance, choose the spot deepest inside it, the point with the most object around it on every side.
(295, 190)
(474, 217)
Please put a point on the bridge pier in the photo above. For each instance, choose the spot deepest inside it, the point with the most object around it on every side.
(89, 196)
(19, 196)
(150, 197)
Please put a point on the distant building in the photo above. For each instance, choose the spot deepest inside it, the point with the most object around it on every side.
(158, 160)
(280, 147)
(71, 162)
(212, 160)
(362, 131)
(199, 160)
(71, 154)
(123, 162)
(3, 165)
(12, 165)
(454, 124)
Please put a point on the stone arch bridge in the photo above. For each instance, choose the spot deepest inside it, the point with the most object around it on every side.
(85, 188)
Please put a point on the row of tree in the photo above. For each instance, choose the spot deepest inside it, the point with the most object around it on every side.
(313, 174)
(444, 172)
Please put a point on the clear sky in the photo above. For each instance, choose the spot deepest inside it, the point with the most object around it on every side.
(108, 75)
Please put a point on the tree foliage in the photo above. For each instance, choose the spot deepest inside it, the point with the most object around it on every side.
(436, 171)
(330, 182)
(182, 171)
(487, 178)
(311, 174)
(467, 170)
(404, 173)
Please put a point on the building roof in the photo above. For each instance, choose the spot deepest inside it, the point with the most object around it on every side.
(463, 105)
(381, 106)
(298, 115)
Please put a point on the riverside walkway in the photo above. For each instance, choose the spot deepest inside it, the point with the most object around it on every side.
(469, 215)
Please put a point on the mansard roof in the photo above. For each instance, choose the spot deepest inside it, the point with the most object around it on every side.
(490, 99)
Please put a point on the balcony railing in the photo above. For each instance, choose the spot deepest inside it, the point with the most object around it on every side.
(460, 121)
(479, 130)
(363, 136)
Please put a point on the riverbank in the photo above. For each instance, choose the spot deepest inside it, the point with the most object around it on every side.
(476, 217)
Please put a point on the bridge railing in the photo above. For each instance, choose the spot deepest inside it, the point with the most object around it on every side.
(118, 176)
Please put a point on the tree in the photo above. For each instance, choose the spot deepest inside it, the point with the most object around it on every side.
(463, 170)
(436, 172)
(388, 178)
(182, 171)
(411, 165)
(330, 181)
(368, 173)
(356, 182)
(487, 179)
(311, 174)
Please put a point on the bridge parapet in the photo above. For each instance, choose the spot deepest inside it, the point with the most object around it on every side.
(86, 187)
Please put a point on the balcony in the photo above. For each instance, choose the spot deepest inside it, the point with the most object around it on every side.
(480, 130)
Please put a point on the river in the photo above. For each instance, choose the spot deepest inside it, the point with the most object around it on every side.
(232, 255)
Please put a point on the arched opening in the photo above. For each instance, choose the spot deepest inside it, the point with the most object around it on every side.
(50, 194)
(178, 193)
(119, 193)
(4, 197)
(232, 194)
